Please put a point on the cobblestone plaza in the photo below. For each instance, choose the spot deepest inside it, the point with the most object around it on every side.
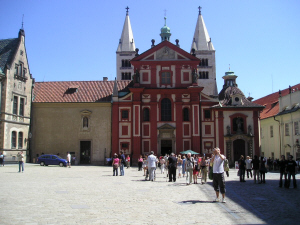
(91, 195)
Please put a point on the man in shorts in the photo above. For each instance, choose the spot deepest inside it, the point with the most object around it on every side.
(218, 174)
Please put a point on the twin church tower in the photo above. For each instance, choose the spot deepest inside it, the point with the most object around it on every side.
(201, 47)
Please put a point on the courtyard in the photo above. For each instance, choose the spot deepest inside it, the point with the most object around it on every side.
(91, 195)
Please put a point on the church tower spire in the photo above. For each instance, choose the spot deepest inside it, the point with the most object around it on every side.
(125, 51)
(205, 51)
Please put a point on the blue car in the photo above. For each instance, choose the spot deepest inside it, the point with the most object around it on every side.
(45, 160)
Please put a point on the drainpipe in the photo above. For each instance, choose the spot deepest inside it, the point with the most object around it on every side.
(279, 135)
(200, 124)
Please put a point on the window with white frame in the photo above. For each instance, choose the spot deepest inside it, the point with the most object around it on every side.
(271, 131)
(287, 131)
(21, 109)
(20, 140)
(13, 139)
(296, 127)
(15, 105)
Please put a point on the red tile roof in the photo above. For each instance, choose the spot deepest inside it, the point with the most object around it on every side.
(271, 102)
(75, 91)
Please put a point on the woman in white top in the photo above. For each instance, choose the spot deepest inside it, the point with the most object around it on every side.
(248, 166)
(162, 164)
(179, 166)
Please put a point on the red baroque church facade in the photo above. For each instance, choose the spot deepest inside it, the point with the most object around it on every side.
(172, 103)
(160, 111)
(164, 110)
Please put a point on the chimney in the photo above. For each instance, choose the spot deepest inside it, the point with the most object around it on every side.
(105, 79)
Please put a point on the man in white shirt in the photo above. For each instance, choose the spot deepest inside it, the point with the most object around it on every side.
(151, 165)
(69, 159)
(218, 174)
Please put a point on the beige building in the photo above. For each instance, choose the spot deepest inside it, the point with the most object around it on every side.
(73, 117)
(280, 123)
(15, 99)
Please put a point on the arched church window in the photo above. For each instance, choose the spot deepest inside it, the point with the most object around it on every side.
(238, 125)
(20, 140)
(85, 122)
(186, 114)
(206, 75)
(166, 112)
(200, 75)
(123, 63)
(13, 139)
(146, 115)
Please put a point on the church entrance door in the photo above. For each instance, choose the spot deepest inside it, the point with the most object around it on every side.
(85, 152)
(166, 147)
(238, 149)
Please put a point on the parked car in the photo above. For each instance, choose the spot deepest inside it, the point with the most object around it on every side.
(45, 160)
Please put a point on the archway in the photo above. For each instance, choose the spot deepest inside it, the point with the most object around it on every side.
(238, 149)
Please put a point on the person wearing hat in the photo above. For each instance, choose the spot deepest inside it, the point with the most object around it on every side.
(291, 168)
(151, 165)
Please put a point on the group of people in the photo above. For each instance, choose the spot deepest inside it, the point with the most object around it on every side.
(120, 161)
(287, 169)
(190, 167)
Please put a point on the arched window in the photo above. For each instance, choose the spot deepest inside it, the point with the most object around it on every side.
(85, 122)
(146, 115)
(20, 140)
(13, 139)
(166, 112)
(186, 114)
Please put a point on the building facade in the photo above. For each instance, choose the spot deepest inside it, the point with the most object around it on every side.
(73, 117)
(15, 100)
(172, 103)
(280, 123)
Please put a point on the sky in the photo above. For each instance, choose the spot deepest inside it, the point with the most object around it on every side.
(76, 40)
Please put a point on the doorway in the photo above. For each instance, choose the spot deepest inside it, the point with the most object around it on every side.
(238, 149)
(85, 152)
(166, 147)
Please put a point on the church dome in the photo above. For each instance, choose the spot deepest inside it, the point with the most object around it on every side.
(165, 32)
(226, 93)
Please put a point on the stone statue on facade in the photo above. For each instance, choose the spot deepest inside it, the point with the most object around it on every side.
(194, 76)
(228, 130)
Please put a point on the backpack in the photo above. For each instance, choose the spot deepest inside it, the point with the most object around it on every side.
(189, 162)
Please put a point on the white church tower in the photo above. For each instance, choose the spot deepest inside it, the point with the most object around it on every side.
(125, 51)
(204, 50)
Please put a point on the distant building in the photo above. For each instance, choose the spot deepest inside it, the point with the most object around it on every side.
(15, 97)
(75, 117)
(280, 123)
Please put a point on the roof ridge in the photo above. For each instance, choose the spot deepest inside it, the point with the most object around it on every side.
(8, 39)
(80, 81)
(276, 92)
